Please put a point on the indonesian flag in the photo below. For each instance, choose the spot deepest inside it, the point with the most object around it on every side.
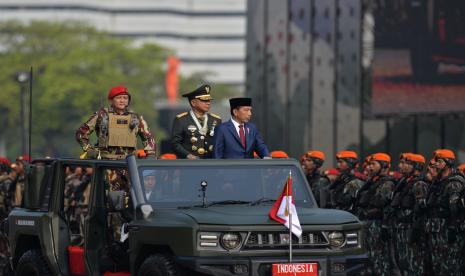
(283, 210)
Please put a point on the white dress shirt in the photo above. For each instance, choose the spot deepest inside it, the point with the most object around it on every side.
(236, 125)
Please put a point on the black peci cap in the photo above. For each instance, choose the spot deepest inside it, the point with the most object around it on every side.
(237, 102)
(202, 93)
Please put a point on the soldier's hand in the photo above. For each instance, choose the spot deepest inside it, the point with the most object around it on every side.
(192, 157)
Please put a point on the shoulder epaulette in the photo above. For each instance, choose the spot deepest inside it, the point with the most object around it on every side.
(215, 116)
(181, 115)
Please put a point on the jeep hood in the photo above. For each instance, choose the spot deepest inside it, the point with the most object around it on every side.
(258, 215)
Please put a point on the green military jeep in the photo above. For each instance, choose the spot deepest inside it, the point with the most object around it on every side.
(174, 217)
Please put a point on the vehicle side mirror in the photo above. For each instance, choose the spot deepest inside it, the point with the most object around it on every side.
(117, 200)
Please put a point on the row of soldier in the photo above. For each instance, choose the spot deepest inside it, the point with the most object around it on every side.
(414, 218)
(12, 177)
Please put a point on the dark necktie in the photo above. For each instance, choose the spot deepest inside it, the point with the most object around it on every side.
(242, 135)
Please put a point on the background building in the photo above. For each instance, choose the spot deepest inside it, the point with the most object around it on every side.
(207, 35)
(327, 79)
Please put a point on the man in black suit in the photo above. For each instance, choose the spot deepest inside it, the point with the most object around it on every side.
(192, 133)
(238, 138)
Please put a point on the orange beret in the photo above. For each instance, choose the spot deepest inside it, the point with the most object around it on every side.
(346, 154)
(404, 155)
(444, 154)
(141, 153)
(279, 154)
(417, 158)
(315, 154)
(168, 156)
(461, 168)
(380, 156)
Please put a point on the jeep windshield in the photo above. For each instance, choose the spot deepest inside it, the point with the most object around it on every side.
(181, 186)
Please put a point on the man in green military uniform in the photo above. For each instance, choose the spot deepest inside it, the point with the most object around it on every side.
(311, 164)
(371, 202)
(443, 220)
(405, 214)
(117, 128)
(341, 194)
(192, 133)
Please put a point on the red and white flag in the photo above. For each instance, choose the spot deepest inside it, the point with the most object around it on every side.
(284, 211)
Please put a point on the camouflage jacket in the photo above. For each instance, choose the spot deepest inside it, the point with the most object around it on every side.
(409, 199)
(443, 201)
(7, 188)
(343, 191)
(317, 183)
(373, 197)
(99, 121)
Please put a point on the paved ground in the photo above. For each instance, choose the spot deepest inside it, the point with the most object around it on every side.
(395, 92)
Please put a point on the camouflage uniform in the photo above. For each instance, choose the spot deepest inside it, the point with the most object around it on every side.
(408, 203)
(115, 148)
(443, 225)
(19, 191)
(343, 191)
(371, 200)
(72, 181)
(317, 183)
(7, 194)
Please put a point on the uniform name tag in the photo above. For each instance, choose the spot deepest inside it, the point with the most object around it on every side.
(121, 122)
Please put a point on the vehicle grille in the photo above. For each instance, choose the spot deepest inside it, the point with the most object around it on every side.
(258, 240)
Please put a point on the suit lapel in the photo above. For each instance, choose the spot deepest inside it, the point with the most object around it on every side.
(233, 131)
(248, 136)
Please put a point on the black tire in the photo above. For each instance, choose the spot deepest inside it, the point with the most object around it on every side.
(159, 265)
(32, 263)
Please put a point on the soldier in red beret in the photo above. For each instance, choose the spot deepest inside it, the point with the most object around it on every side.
(117, 128)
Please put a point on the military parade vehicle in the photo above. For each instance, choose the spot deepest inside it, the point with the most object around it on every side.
(175, 217)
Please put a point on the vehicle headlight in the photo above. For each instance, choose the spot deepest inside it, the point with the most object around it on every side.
(231, 241)
(336, 239)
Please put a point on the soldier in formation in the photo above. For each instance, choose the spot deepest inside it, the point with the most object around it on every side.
(443, 215)
(311, 163)
(371, 201)
(341, 194)
(406, 209)
(414, 218)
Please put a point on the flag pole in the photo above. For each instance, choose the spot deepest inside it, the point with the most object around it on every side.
(290, 217)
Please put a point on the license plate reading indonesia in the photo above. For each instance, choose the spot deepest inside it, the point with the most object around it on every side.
(295, 269)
